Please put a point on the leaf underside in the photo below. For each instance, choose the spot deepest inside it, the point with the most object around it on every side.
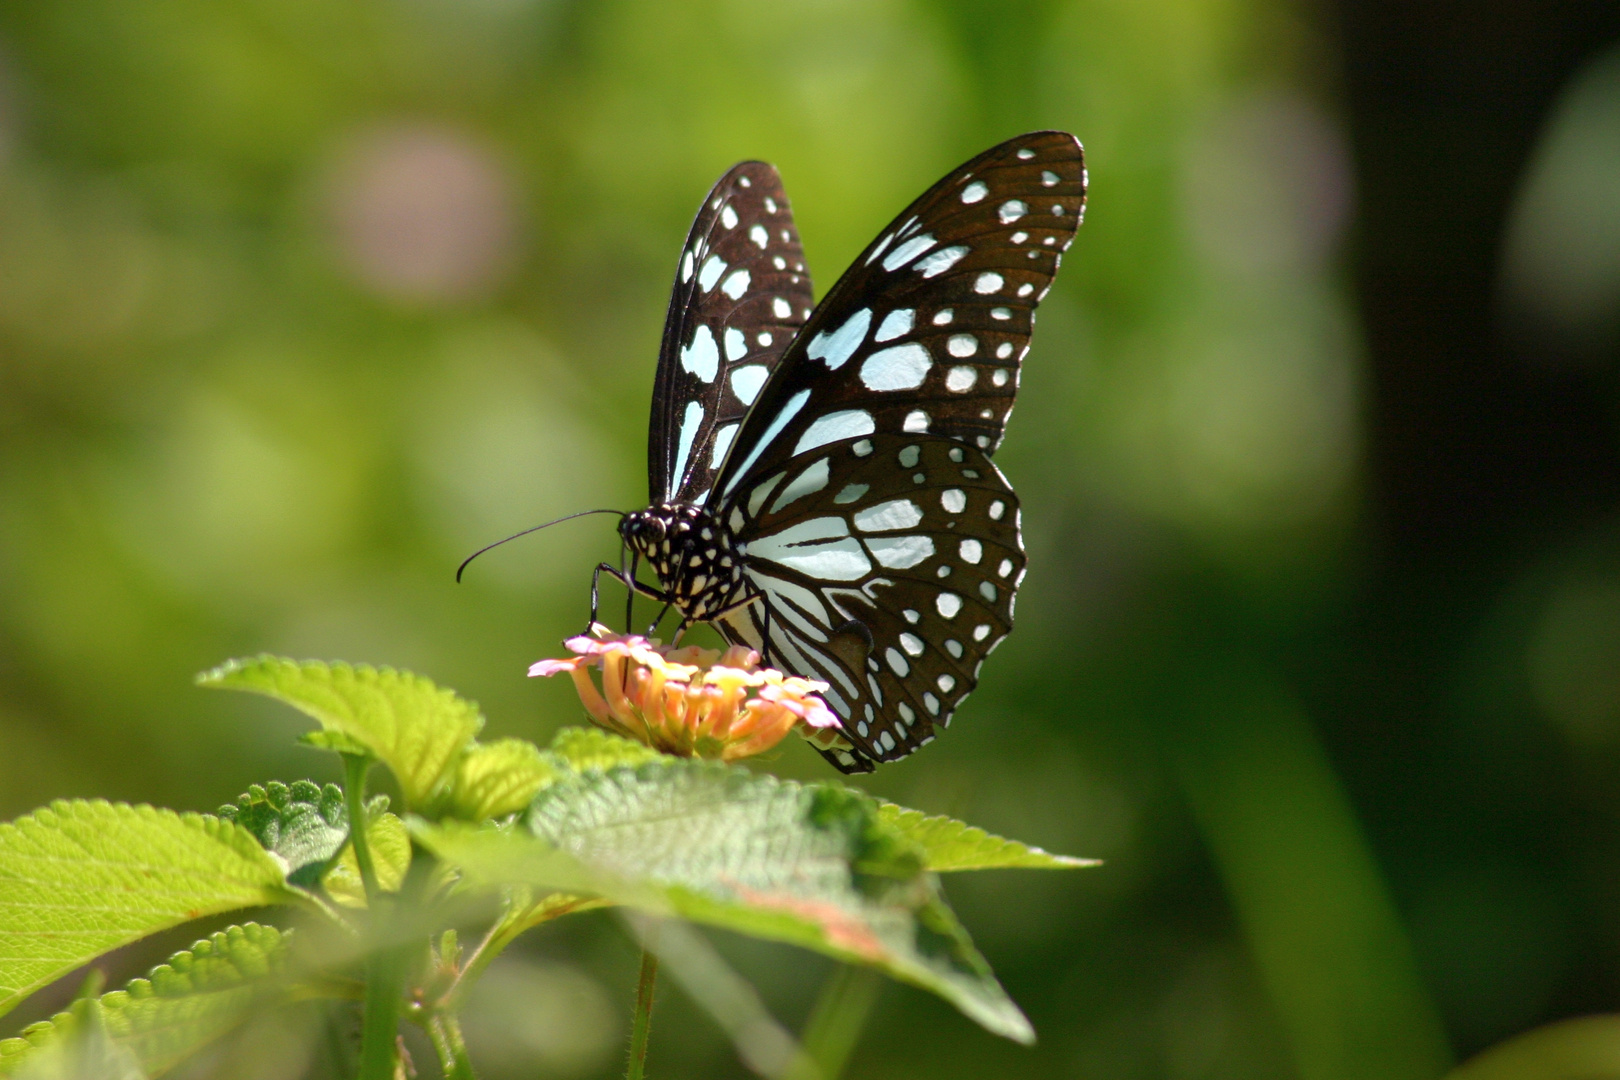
(80, 878)
(301, 824)
(153, 1023)
(414, 727)
(811, 865)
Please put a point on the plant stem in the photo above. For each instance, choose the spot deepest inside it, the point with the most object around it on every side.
(387, 963)
(642, 1025)
(839, 1014)
(355, 767)
(445, 1031)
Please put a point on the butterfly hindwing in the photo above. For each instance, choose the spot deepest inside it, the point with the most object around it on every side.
(741, 293)
(926, 331)
(890, 565)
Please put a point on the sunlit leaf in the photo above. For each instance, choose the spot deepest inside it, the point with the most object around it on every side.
(390, 857)
(156, 1022)
(499, 778)
(416, 728)
(585, 749)
(948, 844)
(80, 878)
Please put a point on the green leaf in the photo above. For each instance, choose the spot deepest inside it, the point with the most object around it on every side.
(199, 995)
(415, 728)
(499, 778)
(948, 844)
(390, 856)
(813, 865)
(80, 878)
(303, 825)
(587, 749)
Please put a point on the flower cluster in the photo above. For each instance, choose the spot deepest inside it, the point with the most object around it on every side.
(691, 701)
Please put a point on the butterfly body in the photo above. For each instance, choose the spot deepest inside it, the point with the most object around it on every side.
(692, 552)
(820, 475)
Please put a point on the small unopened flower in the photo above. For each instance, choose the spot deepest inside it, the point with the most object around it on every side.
(691, 701)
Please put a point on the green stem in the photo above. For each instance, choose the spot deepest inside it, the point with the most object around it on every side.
(840, 1012)
(355, 767)
(387, 963)
(642, 1025)
(445, 1031)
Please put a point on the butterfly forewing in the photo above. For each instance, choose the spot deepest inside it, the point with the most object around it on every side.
(926, 332)
(890, 565)
(741, 293)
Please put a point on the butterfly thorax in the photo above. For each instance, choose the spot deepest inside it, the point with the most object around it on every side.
(693, 553)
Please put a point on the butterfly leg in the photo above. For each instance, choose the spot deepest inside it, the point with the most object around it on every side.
(627, 581)
(661, 613)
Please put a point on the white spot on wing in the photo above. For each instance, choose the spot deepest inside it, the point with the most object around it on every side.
(940, 261)
(807, 482)
(713, 267)
(686, 267)
(851, 493)
(900, 552)
(728, 217)
(759, 236)
(981, 631)
(911, 643)
(962, 345)
(943, 317)
(844, 424)
(770, 205)
(1011, 210)
(835, 347)
(988, 282)
(736, 284)
(690, 422)
(702, 357)
(899, 367)
(820, 547)
(783, 417)
(897, 664)
(1025, 289)
(997, 508)
(961, 379)
(953, 500)
(971, 551)
(974, 192)
(1001, 313)
(916, 422)
(722, 443)
(736, 344)
(894, 324)
(948, 604)
(1000, 376)
(747, 380)
(1025, 154)
(889, 516)
(909, 456)
(909, 250)
(781, 309)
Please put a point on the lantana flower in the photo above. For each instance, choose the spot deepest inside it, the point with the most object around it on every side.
(691, 701)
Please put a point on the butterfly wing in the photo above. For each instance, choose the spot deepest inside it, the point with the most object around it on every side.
(926, 331)
(882, 541)
(892, 565)
(741, 293)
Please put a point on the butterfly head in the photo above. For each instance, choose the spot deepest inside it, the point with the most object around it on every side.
(692, 551)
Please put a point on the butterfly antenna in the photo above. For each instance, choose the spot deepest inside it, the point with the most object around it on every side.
(526, 532)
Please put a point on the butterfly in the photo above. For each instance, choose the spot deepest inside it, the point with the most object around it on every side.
(820, 478)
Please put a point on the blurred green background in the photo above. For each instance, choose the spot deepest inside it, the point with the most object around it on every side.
(301, 301)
